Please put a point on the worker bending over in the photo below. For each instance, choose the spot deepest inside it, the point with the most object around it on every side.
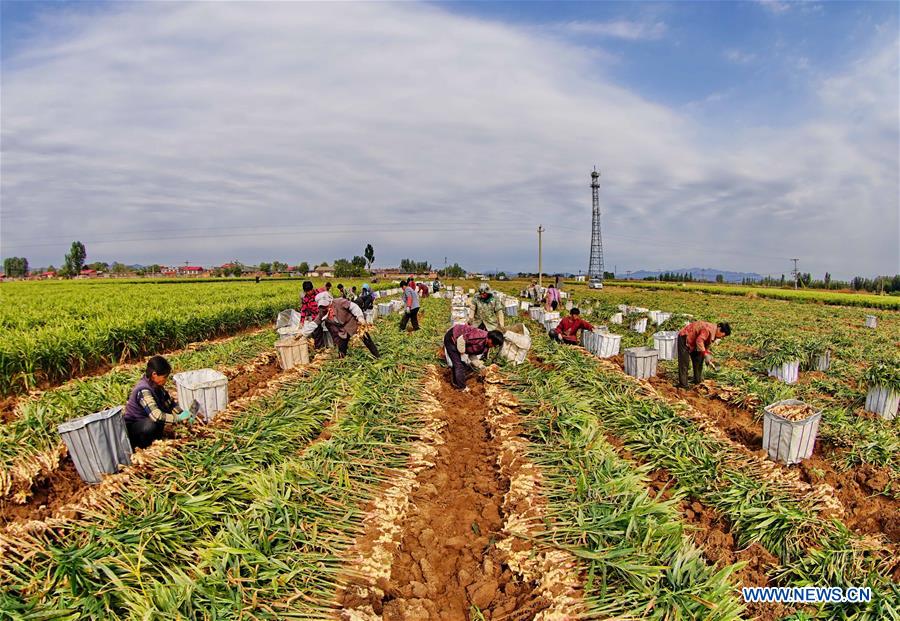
(342, 319)
(567, 329)
(366, 300)
(487, 312)
(694, 341)
(150, 406)
(464, 346)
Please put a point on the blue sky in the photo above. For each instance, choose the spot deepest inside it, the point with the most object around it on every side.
(732, 135)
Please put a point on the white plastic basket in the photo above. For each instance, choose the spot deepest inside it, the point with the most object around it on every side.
(640, 362)
(882, 401)
(292, 352)
(98, 443)
(871, 321)
(639, 326)
(787, 372)
(608, 345)
(789, 442)
(616, 319)
(207, 386)
(665, 343)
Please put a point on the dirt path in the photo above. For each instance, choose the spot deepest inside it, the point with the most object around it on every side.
(444, 562)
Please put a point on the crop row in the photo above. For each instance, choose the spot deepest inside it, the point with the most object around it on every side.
(50, 332)
(248, 523)
(811, 549)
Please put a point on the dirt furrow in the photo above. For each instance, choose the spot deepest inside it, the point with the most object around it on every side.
(445, 561)
(555, 572)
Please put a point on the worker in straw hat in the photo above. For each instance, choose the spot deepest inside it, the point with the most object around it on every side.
(343, 318)
(487, 312)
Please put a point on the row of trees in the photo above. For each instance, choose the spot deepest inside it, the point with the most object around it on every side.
(879, 284)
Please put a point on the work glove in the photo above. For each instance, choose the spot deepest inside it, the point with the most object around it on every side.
(406, 311)
(184, 415)
(711, 362)
(477, 364)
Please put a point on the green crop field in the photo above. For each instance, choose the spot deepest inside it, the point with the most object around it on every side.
(364, 488)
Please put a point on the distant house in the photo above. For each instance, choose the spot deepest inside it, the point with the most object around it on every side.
(322, 271)
(191, 270)
(579, 278)
(169, 271)
(88, 274)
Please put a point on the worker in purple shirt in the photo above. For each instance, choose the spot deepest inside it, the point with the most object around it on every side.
(464, 346)
(150, 406)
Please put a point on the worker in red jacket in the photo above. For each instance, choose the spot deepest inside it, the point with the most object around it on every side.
(694, 341)
(464, 346)
(567, 330)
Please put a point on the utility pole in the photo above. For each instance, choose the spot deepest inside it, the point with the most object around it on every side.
(540, 231)
(795, 273)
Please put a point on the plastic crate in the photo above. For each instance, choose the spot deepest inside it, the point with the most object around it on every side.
(789, 442)
(207, 386)
(640, 362)
(98, 443)
(292, 352)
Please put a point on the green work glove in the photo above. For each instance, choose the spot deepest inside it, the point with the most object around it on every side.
(185, 414)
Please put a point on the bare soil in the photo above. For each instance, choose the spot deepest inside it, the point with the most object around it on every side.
(447, 566)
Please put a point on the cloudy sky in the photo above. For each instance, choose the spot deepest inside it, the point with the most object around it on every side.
(728, 135)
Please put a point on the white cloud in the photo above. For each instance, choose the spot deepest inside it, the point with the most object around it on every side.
(740, 57)
(426, 133)
(617, 29)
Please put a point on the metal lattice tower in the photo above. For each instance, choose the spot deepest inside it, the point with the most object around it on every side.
(595, 268)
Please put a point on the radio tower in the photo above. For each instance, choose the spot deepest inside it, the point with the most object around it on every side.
(595, 268)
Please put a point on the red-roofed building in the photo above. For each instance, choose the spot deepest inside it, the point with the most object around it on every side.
(88, 274)
(191, 270)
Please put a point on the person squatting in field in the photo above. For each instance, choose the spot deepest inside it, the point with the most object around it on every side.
(464, 347)
(567, 329)
(694, 341)
(411, 305)
(342, 319)
(487, 312)
(150, 406)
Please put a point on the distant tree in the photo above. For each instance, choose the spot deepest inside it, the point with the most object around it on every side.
(414, 267)
(99, 266)
(369, 254)
(358, 261)
(15, 267)
(303, 268)
(720, 278)
(119, 268)
(74, 262)
(344, 268)
(827, 280)
(453, 271)
(278, 266)
(266, 267)
(608, 275)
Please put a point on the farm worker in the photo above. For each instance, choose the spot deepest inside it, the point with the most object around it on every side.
(411, 301)
(422, 289)
(353, 294)
(342, 319)
(487, 313)
(366, 300)
(464, 346)
(150, 406)
(551, 300)
(436, 285)
(341, 292)
(694, 341)
(308, 307)
(567, 330)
